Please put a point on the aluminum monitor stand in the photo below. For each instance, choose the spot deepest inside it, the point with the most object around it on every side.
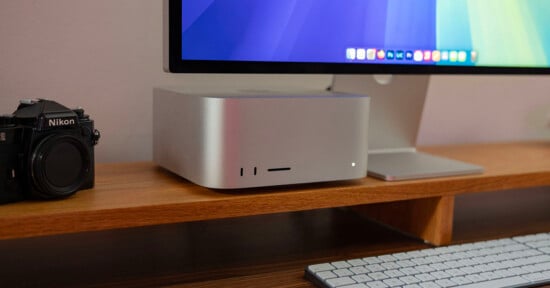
(397, 103)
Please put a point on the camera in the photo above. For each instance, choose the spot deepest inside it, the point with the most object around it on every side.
(46, 151)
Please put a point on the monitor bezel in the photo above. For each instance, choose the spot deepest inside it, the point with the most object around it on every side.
(175, 64)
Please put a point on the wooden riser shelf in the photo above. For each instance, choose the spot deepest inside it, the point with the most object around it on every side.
(142, 194)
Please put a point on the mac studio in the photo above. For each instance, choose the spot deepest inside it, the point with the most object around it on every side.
(97, 55)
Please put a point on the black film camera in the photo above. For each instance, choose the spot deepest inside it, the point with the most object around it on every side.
(46, 151)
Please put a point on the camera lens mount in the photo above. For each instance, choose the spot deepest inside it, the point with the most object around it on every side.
(60, 165)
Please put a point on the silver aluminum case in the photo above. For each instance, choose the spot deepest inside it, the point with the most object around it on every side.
(276, 138)
(397, 103)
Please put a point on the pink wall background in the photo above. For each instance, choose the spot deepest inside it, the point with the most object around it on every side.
(106, 56)
(470, 109)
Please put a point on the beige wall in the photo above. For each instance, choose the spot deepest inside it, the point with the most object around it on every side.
(466, 109)
(105, 55)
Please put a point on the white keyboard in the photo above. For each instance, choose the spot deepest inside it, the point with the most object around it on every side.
(510, 262)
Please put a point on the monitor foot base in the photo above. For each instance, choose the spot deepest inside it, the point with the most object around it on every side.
(397, 166)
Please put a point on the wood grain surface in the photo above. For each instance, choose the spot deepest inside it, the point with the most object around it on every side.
(256, 251)
(142, 194)
(429, 219)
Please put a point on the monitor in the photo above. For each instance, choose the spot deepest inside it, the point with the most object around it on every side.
(365, 38)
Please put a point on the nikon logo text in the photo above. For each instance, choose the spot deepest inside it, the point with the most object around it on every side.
(61, 122)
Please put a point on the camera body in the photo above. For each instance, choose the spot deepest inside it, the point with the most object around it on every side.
(46, 151)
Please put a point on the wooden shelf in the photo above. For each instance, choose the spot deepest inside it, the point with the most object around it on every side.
(142, 194)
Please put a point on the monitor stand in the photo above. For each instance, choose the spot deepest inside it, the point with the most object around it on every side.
(397, 103)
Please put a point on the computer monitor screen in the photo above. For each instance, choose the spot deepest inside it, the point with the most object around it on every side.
(366, 37)
(360, 36)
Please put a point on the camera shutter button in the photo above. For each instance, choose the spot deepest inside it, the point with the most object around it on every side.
(29, 101)
(79, 112)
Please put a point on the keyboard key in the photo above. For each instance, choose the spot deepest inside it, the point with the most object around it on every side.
(387, 258)
(533, 260)
(394, 273)
(320, 267)
(455, 272)
(409, 271)
(503, 273)
(509, 264)
(434, 259)
(446, 257)
(425, 277)
(402, 256)
(530, 238)
(483, 267)
(530, 268)
(441, 250)
(535, 277)
(357, 262)
(425, 268)
(516, 247)
(430, 252)
(445, 283)
(439, 266)
(461, 255)
(341, 264)
(326, 275)
(452, 264)
(497, 263)
(489, 275)
(469, 246)
(378, 276)
(377, 284)
(429, 285)
(361, 278)
(470, 270)
(412, 286)
(375, 268)
(466, 263)
(506, 241)
(390, 265)
(343, 272)
(359, 270)
(531, 252)
(504, 282)
(493, 243)
(392, 282)
(478, 260)
(405, 263)
(409, 280)
(542, 266)
(476, 278)
(335, 282)
(440, 275)
(372, 260)
(359, 285)
(518, 271)
(461, 280)
(416, 254)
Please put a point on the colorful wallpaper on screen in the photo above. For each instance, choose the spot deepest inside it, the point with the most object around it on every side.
(512, 33)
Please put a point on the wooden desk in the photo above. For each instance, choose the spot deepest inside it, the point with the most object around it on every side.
(141, 194)
(169, 241)
(256, 251)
